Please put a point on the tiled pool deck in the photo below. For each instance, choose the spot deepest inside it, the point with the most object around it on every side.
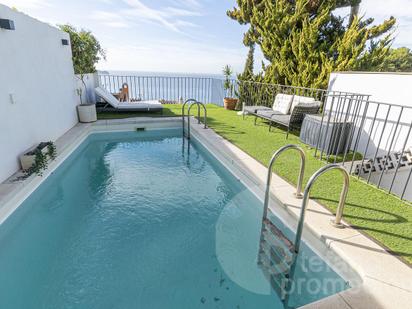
(386, 281)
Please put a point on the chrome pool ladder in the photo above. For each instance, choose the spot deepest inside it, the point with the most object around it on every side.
(275, 249)
(277, 254)
(191, 103)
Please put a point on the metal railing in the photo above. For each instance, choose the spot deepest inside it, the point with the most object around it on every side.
(372, 140)
(264, 94)
(272, 161)
(191, 103)
(167, 89)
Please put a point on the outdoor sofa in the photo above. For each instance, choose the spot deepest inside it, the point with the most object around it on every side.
(287, 110)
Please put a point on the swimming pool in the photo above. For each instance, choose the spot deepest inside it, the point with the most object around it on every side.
(144, 220)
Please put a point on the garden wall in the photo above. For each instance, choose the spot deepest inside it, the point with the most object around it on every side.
(90, 82)
(391, 88)
(37, 87)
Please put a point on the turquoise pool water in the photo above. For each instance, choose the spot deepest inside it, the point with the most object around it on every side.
(139, 220)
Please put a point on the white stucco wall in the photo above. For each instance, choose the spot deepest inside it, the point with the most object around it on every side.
(90, 82)
(37, 70)
(392, 88)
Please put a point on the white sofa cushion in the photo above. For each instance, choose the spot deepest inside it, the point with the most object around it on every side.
(282, 103)
(301, 100)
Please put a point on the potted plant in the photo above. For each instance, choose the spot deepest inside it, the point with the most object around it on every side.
(86, 53)
(87, 112)
(229, 101)
(35, 160)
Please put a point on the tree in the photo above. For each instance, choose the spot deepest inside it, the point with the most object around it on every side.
(86, 49)
(249, 65)
(398, 60)
(303, 41)
(245, 10)
(86, 52)
(245, 77)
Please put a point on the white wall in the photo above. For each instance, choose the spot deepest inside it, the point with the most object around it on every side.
(392, 88)
(90, 82)
(38, 70)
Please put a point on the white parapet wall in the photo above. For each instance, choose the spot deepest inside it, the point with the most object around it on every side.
(37, 87)
(88, 84)
(383, 87)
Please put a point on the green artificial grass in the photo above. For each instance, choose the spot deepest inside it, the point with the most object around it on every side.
(383, 216)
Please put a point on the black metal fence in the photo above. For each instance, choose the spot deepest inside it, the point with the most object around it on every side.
(254, 93)
(376, 140)
(372, 140)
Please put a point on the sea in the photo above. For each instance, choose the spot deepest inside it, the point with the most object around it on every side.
(163, 74)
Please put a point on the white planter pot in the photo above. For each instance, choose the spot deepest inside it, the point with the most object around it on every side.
(87, 113)
(27, 160)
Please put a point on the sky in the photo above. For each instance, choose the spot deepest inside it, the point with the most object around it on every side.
(185, 36)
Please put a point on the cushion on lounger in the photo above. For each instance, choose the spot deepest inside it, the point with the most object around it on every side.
(267, 113)
(301, 101)
(255, 108)
(282, 103)
(281, 119)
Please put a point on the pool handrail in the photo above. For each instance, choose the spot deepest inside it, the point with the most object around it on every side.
(298, 193)
(336, 222)
(192, 102)
(339, 212)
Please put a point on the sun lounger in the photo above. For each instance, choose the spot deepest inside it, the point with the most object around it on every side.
(138, 106)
